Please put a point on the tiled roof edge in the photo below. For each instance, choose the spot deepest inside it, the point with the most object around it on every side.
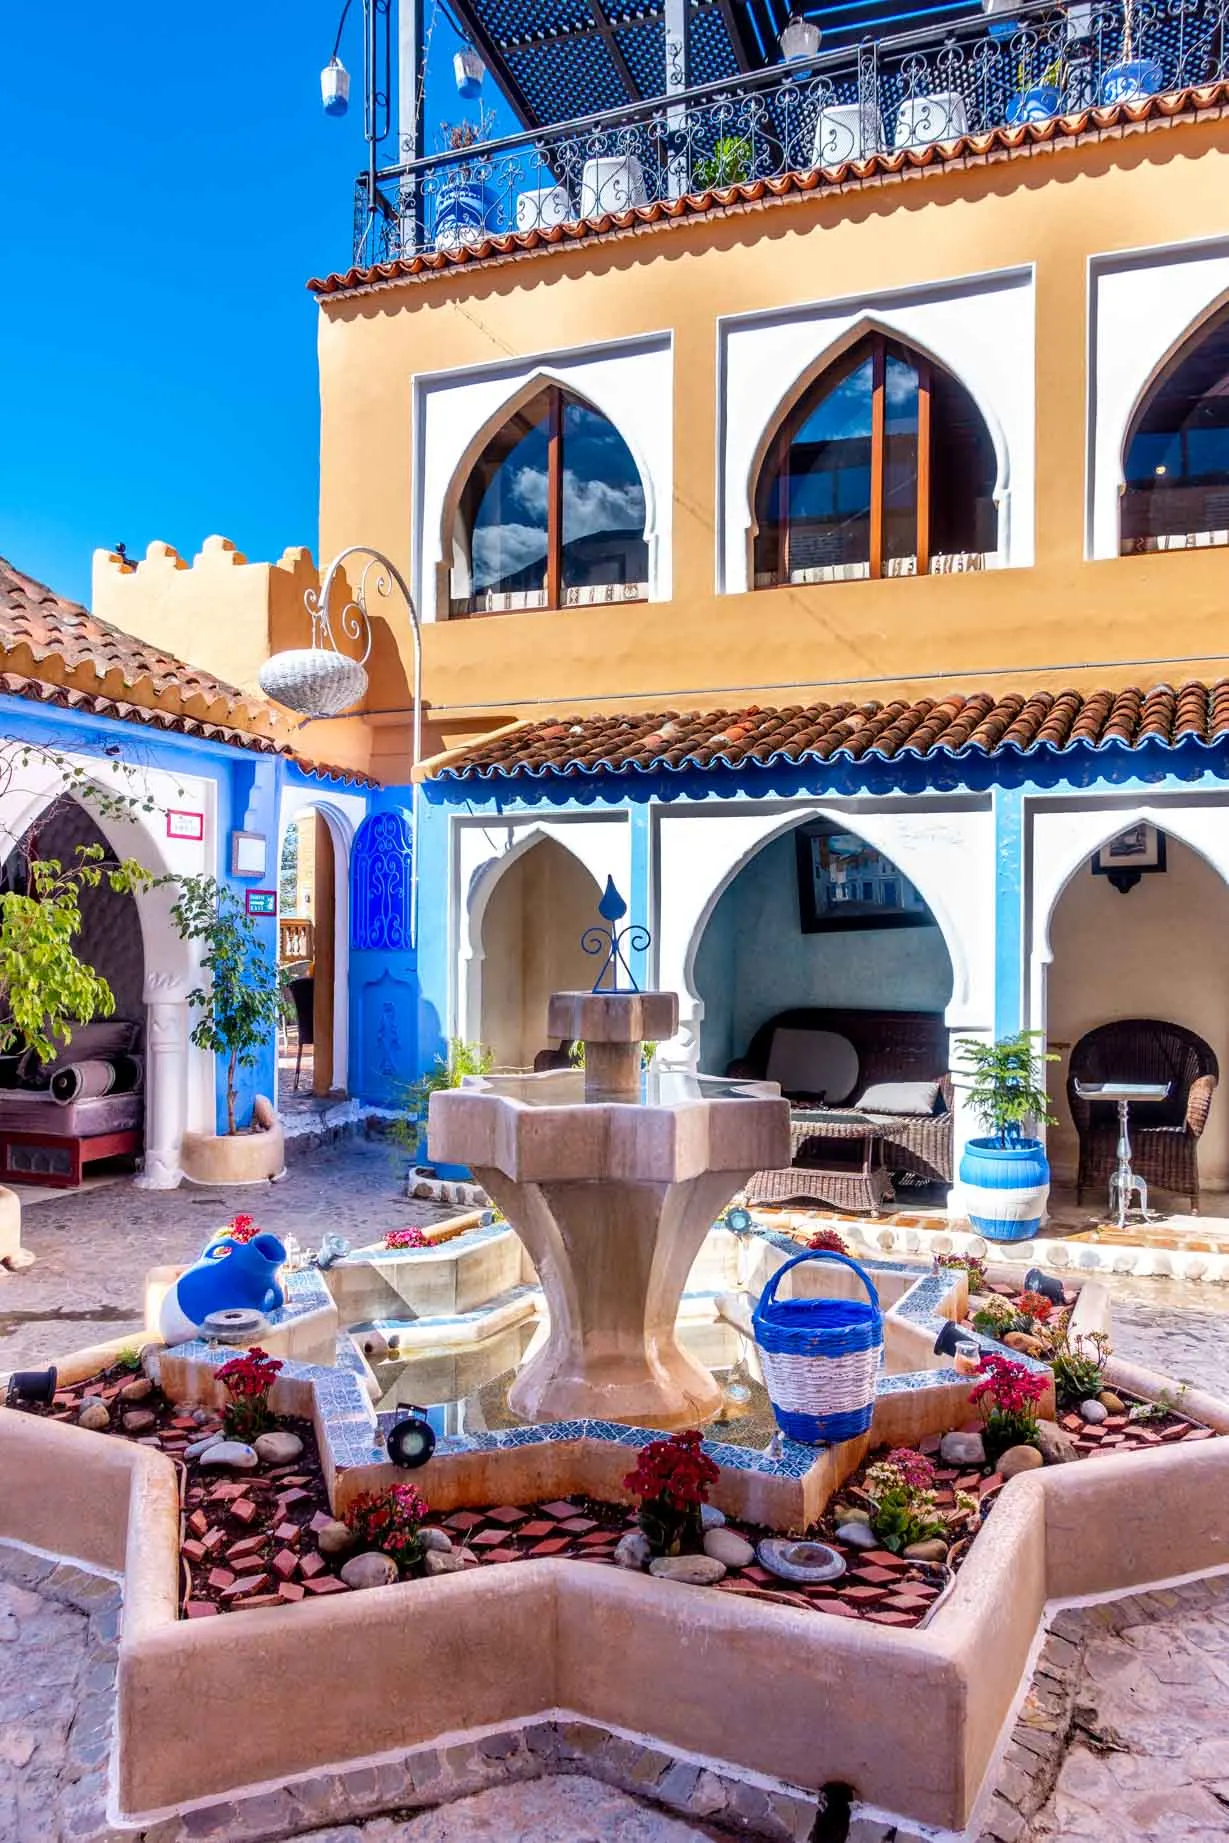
(1017, 142)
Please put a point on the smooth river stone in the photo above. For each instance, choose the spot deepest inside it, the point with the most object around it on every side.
(95, 1416)
(1018, 1459)
(858, 1535)
(691, 1570)
(334, 1538)
(726, 1545)
(435, 1541)
(372, 1569)
(1094, 1412)
(962, 1449)
(633, 1550)
(278, 1447)
(231, 1453)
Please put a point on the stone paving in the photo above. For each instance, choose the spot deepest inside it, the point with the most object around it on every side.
(1123, 1736)
(92, 1247)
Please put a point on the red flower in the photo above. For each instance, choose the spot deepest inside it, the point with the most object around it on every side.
(242, 1228)
(390, 1520)
(1035, 1306)
(252, 1374)
(828, 1238)
(1007, 1386)
(406, 1238)
(677, 1469)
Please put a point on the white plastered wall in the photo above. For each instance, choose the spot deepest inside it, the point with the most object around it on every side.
(179, 1079)
(1141, 307)
(1063, 841)
(343, 814)
(980, 328)
(629, 382)
(483, 849)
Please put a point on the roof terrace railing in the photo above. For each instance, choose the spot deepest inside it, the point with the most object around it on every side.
(892, 93)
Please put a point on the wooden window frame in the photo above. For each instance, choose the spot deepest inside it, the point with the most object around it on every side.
(878, 348)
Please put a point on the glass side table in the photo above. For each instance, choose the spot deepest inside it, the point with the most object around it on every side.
(1123, 1181)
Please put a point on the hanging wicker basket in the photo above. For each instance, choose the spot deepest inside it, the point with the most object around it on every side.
(820, 1357)
(313, 680)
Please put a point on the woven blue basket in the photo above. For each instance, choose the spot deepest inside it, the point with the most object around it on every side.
(820, 1357)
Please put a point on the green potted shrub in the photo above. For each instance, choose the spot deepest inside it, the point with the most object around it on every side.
(237, 1012)
(449, 1071)
(729, 164)
(1006, 1175)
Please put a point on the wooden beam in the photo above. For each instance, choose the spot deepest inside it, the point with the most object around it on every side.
(554, 503)
(922, 535)
(878, 365)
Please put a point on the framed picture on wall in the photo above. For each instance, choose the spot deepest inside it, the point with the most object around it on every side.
(1135, 853)
(843, 882)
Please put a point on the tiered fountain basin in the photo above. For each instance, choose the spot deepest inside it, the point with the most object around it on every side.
(910, 1718)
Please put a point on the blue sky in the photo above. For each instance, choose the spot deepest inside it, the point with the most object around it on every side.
(169, 184)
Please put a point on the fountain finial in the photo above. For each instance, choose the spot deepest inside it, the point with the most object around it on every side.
(612, 939)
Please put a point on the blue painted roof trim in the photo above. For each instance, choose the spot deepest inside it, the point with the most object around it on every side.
(969, 769)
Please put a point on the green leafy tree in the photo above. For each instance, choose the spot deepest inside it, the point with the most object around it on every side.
(239, 1008)
(45, 986)
(1006, 1083)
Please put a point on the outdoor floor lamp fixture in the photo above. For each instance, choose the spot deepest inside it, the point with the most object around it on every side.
(321, 681)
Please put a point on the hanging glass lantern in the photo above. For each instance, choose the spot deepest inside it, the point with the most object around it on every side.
(469, 71)
(335, 87)
(799, 38)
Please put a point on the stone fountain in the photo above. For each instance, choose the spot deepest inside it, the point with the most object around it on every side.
(612, 1177)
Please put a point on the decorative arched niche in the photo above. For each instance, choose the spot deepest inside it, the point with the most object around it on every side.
(1175, 456)
(881, 464)
(550, 512)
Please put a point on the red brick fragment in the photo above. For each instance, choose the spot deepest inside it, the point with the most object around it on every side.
(287, 1532)
(200, 1609)
(290, 1590)
(328, 1583)
(244, 1509)
(221, 1578)
(285, 1563)
(311, 1566)
(247, 1583)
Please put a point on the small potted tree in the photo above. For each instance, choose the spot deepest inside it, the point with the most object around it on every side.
(237, 1013)
(1005, 1175)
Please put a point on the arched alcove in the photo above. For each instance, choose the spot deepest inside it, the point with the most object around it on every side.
(881, 464)
(759, 954)
(1154, 951)
(531, 925)
(314, 947)
(550, 512)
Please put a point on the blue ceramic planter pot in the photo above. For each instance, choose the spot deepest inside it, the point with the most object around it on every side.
(1005, 1187)
(448, 1174)
(1131, 82)
(1037, 104)
(463, 213)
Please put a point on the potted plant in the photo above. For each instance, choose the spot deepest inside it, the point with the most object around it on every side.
(449, 1071)
(671, 1481)
(237, 1013)
(1132, 78)
(729, 164)
(1005, 1175)
(463, 205)
(1037, 102)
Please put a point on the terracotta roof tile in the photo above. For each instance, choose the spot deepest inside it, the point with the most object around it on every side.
(49, 627)
(977, 723)
(1016, 142)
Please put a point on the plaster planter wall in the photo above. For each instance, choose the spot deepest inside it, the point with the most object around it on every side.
(234, 1158)
(455, 1276)
(10, 1223)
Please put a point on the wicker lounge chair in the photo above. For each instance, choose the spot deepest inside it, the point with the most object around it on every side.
(891, 1046)
(1164, 1135)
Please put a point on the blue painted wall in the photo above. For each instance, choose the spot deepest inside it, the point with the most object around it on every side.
(754, 960)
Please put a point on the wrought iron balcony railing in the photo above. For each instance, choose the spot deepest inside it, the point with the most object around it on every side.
(909, 91)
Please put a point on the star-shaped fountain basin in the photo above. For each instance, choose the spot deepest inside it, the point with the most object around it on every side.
(612, 1178)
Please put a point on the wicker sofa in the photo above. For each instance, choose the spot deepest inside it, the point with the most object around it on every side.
(1164, 1135)
(888, 1047)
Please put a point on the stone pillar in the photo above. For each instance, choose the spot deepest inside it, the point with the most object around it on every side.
(166, 1080)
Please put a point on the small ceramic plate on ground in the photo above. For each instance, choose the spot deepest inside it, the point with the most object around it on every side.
(808, 1562)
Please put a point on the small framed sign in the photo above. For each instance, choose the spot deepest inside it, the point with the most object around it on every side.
(261, 902)
(1135, 853)
(185, 825)
(249, 853)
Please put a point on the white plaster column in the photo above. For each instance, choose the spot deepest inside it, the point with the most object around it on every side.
(166, 1080)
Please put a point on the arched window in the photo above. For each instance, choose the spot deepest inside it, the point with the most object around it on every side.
(1176, 459)
(552, 515)
(883, 468)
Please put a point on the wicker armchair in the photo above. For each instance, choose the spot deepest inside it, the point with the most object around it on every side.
(1164, 1135)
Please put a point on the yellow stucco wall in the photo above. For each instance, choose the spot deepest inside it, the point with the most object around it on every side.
(1063, 620)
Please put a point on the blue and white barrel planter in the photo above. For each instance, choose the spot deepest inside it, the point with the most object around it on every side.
(464, 212)
(1006, 1187)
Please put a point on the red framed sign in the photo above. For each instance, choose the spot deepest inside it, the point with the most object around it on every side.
(185, 825)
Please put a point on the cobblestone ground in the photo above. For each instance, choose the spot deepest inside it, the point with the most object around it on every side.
(1124, 1737)
(92, 1247)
